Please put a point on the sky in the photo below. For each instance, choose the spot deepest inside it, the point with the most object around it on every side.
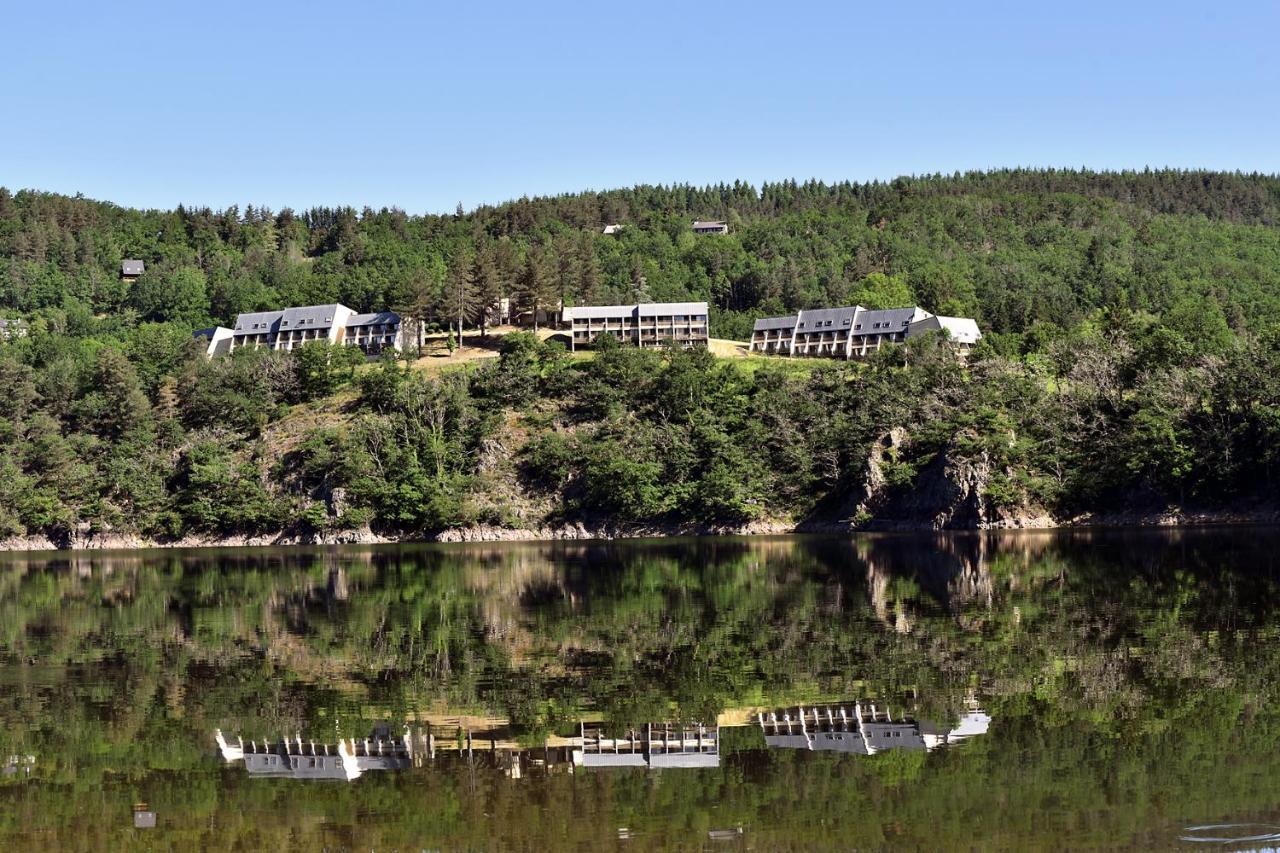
(425, 105)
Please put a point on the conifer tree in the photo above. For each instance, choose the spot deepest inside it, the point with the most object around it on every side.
(486, 291)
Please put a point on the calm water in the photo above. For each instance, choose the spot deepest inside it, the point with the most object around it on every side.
(1025, 691)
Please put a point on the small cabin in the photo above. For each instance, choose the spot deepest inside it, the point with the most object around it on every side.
(131, 269)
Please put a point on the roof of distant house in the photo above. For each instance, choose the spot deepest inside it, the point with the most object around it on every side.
(612, 229)
(698, 223)
(132, 267)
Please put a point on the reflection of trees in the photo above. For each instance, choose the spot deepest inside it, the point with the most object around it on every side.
(1084, 627)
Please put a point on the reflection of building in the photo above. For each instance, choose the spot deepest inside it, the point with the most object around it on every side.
(861, 730)
(18, 764)
(659, 745)
(347, 760)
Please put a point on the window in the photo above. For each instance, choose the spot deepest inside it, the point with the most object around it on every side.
(828, 323)
(846, 321)
(859, 326)
(906, 322)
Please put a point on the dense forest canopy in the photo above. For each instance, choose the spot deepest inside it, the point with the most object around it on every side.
(1012, 248)
(1131, 356)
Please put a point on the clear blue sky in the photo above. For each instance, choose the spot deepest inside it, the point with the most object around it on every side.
(422, 105)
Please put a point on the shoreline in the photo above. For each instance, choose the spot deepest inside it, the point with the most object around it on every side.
(86, 541)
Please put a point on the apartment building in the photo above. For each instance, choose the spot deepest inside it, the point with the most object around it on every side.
(290, 328)
(854, 332)
(648, 324)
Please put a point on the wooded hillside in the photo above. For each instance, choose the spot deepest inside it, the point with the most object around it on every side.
(1131, 359)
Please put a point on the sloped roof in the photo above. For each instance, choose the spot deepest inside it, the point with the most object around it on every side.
(896, 318)
(311, 316)
(378, 318)
(264, 320)
(766, 323)
(650, 309)
(132, 267)
(815, 318)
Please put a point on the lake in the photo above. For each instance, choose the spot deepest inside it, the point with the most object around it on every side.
(1041, 690)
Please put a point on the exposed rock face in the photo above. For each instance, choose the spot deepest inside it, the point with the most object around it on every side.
(949, 493)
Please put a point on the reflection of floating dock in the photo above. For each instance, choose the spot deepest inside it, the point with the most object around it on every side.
(862, 730)
(658, 745)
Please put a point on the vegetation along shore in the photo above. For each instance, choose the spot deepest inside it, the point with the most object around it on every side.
(1128, 370)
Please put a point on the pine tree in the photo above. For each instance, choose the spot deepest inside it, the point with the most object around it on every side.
(534, 286)
(457, 291)
(588, 271)
(486, 290)
(419, 298)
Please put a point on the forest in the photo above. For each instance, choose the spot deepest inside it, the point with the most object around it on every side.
(1131, 357)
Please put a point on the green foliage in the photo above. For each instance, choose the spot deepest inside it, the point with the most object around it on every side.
(1129, 355)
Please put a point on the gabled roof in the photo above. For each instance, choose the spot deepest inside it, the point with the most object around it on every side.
(698, 223)
(378, 318)
(132, 267)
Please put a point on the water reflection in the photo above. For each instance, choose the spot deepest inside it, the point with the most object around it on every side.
(863, 731)
(347, 760)
(1076, 671)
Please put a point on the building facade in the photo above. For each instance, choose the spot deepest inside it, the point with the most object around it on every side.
(290, 328)
(11, 330)
(854, 332)
(648, 324)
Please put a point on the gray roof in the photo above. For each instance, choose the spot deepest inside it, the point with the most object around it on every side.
(644, 309)
(310, 316)
(650, 309)
(685, 759)
(265, 321)
(710, 224)
(897, 319)
(815, 318)
(765, 323)
(377, 318)
(132, 267)
(962, 330)
(12, 324)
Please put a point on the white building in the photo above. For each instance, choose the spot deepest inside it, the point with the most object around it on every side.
(855, 332)
(290, 328)
(648, 324)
